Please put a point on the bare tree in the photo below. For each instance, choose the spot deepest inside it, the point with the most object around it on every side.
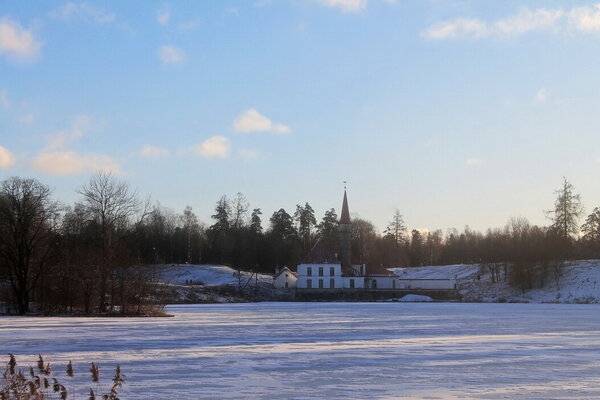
(110, 205)
(28, 217)
(240, 208)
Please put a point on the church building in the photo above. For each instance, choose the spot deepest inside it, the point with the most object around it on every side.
(344, 274)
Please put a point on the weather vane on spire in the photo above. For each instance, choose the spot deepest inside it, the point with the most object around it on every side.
(344, 185)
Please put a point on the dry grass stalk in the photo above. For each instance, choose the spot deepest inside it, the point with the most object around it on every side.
(18, 387)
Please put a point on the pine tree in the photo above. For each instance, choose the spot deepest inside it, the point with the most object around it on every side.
(396, 228)
(591, 228)
(567, 211)
(282, 225)
(305, 218)
(327, 229)
(255, 222)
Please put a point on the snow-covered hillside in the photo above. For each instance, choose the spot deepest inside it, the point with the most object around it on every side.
(207, 275)
(579, 283)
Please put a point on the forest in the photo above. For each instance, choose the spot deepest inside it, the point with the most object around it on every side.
(87, 256)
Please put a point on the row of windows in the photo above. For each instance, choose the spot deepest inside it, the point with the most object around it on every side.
(331, 283)
(331, 271)
(309, 283)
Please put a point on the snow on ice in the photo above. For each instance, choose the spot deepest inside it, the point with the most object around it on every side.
(329, 350)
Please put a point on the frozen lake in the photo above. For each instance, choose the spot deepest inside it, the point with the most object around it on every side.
(330, 350)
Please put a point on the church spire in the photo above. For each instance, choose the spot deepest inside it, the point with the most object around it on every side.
(345, 235)
(345, 217)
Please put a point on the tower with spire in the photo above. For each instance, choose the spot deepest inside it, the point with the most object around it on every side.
(345, 236)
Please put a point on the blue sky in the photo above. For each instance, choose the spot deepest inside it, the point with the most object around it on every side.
(454, 112)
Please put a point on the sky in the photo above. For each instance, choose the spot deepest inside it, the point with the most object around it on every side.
(453, 112)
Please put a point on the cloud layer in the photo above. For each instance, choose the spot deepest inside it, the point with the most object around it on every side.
(581, 19)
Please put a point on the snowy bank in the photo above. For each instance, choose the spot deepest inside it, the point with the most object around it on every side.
(579, 283)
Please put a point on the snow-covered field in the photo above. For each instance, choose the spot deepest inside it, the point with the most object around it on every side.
(330, 350)
(209, 275)
(579, 283)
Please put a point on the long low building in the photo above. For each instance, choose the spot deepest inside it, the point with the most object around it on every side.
(332, 276)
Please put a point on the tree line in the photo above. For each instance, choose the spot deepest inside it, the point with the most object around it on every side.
(85, 256)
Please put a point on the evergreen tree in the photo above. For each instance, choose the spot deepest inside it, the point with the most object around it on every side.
(396, 228)
(282, 225)
(416, 248)
(567, 211)
(328, 231)
(222, 215)
(305, 218)
(255, 221)
(591, 230)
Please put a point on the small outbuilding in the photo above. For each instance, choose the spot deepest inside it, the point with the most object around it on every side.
(285, 278)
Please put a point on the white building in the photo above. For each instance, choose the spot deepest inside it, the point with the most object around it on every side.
(332, 276)
(345, 275)
(285, 278)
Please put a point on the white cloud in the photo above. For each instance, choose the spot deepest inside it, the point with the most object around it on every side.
(456, 28)
(248, 154)
(474, 161)
(148, 151)
(17, 42)
(232, 11)
(171, 55)
(6, 158)
(541, 96)
(216, 146)
(346, 6)
(252, 121)
(163, 16)
(69, 163)
(585, 19)
(527, 21)
(82, 12)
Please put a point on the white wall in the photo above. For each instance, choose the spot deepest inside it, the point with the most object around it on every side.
(434, 284)
(285, 276)
(303, 276)
(383, 282)
(359, 282)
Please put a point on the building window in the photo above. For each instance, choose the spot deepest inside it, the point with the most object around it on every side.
(320, 283)
(374, 284)
(309, 283)
(394, 284)
(331, 271)
(351, 283)
(332, 283)
(320, 271)
(309, 271)
(286, 285)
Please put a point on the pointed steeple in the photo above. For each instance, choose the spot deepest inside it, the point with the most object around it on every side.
(345, 217)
